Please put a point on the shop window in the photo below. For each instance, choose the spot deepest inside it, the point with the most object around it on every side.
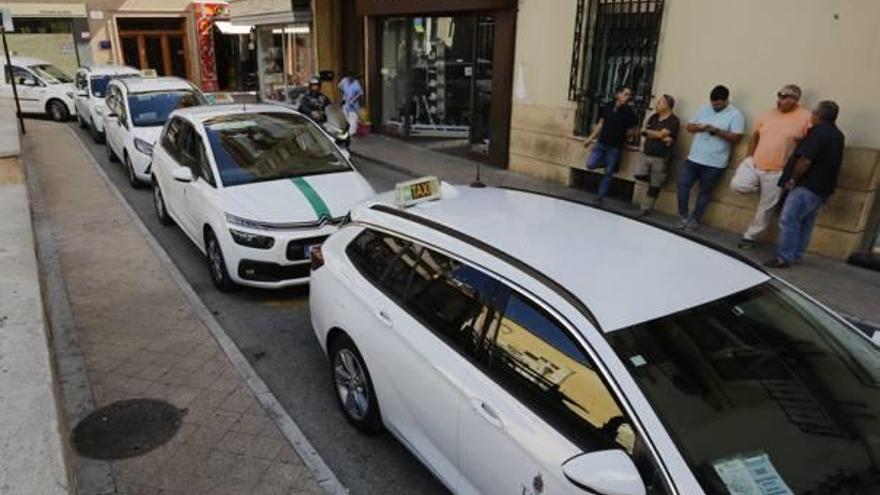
(615, 44)
(285, 62)
(24, 25)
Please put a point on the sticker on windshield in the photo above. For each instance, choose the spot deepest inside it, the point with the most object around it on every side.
(638, 360)
(753, 475)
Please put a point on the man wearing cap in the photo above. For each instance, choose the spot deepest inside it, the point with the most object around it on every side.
(660, 132)
(777, 133)
(313, 102)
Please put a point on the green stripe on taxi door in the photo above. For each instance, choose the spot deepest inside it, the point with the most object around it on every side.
(317, 204)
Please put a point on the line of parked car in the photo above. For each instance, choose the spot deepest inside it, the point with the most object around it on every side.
(514, 342)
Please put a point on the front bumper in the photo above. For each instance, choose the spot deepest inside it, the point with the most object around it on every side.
(140, 163)
(285, 264)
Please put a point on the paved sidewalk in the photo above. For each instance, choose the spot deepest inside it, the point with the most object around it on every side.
(852, 291)
(31, 436)
(141, 338)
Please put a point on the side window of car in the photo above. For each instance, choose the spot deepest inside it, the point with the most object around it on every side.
(22, 76)
(202, 161)
(121, 112)
(170, 138)
(537, 362)
(373, 253)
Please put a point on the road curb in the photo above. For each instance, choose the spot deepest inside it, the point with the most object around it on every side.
(313, 461)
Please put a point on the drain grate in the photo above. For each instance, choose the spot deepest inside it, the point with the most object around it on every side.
(126, 428)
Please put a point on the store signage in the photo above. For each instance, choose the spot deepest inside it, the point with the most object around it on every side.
(392, 7)
(96, 15)
(46, 9)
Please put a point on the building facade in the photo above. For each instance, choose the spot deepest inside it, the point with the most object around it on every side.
(569, 58)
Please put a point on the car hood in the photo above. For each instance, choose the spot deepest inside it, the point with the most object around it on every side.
(290, 201)
(148, 134)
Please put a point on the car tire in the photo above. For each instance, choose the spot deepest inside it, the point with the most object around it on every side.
(217, 264)
(111, 155)
(354, 389)
(159, 205)
(133, 181)
(58, 111)
(98, 137)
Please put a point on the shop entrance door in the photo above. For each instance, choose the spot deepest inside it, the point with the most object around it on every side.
(436, 75)
(157, 44)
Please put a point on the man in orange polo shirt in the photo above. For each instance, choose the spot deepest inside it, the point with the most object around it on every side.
(777, 133)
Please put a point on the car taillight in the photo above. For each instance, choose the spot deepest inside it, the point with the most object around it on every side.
(316, 256)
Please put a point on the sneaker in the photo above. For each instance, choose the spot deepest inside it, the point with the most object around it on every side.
(682, 223)
(746, 243)
(777, 263)
(692, 226)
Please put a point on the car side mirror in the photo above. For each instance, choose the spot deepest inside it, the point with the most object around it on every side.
(182, 174)
(28, 82)
(82, 93)
(607, 472)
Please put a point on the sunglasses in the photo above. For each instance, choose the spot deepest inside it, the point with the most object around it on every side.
(782, 95)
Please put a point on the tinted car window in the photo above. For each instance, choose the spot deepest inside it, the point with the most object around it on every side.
(255, 147)
(171, 137)
(21, 75)
(152, 109)
(51, 74)
(373, 253)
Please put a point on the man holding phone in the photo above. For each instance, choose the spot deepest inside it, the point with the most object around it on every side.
(716, 128)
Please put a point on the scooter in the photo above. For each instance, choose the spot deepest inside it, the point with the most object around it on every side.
(337, 125)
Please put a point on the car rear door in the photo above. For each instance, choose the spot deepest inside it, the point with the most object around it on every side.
(537, 402)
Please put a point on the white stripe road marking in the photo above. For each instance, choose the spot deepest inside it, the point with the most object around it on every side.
(325, 477)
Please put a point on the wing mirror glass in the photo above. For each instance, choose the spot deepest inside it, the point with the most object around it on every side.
(607, 472)
(182, 174)
(82, 93)
(28, 82)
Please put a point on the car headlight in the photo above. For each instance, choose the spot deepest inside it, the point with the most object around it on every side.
(69, 94)
(256, 241)
(242, 222)
(143, 146)
(99, 110)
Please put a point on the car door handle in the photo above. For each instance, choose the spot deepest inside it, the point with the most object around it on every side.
(384, 318)
(487, 412)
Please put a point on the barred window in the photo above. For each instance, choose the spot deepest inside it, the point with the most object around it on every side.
(615, 44)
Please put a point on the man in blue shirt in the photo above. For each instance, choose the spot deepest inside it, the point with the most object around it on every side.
(352, 93)
(716, 128)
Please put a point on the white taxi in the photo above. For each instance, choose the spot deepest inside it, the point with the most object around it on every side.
(254, 187)
(42, 88)
(91, 88)
(519, 343)
(138, 109)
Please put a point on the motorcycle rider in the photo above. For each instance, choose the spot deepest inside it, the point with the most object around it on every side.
(313, 102)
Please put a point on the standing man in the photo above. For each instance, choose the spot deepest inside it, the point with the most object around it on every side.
(810, 176)
(616, 126)
(660, 133)
(776, 134)
(313, 102)
(716, 128)
(352, 94)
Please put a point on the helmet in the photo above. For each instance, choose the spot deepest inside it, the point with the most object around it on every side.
(314, 81)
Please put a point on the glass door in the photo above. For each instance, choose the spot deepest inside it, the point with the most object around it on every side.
(395, 74)
(481, 92)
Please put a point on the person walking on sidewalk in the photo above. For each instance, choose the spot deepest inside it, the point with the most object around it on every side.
(716, 128)
(810, 176)
(352, 93)
(660, 133)
(617, 124)
(776, 134)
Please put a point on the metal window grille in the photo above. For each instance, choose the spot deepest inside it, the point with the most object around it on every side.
(615, 44)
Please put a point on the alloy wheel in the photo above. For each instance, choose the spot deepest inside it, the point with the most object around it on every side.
(215, 259)
(351, 384)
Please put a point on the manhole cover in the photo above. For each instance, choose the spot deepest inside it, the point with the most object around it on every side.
(126, 428)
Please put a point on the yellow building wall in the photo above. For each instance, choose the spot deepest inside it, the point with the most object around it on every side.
(831, 48)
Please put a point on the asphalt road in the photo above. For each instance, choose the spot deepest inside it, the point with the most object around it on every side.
(272, 328)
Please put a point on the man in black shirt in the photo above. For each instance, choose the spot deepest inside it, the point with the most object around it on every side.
(810, 177)
(313, 102)
(660, 133)
(616, 126)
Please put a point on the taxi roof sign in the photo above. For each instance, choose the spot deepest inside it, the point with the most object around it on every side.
(417, 191)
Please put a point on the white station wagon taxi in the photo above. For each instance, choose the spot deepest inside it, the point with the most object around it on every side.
(138, 110)
(255, 187)
(523, 344)
(42, 88)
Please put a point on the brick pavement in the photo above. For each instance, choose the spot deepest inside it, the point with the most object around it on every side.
(142, 339)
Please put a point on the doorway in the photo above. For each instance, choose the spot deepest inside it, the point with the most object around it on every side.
(155, 44)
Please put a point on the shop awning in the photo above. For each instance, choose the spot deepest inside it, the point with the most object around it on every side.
(227, 27)
(264, 12)
(62, 10)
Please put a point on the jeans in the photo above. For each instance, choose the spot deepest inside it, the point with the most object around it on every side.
(691, 173)
(796, 223)
(609, 157)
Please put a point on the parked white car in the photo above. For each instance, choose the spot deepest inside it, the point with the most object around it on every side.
(91, 88)
(42, 88)
(138, 110)
(518, 343)
(254, 187)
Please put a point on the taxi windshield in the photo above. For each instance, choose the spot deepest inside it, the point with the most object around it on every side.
(153, 108)
(99, 83)
(51, 74)
(257, 147)
(764, 392)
